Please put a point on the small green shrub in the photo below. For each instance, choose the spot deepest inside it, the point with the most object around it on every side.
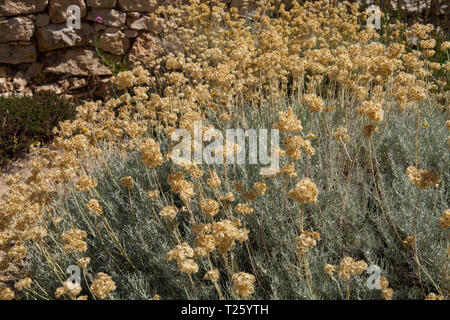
(26, 120)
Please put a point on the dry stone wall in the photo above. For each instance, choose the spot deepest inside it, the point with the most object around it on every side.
(39, 52)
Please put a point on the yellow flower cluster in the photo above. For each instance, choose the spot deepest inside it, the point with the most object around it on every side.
(86, 183)
(214, 181)
(329, 269)
(243, 284)
(348, 266)
(183, 253)
(372, 110)
(127, 182)
(23, 284)
(153, 194)
(292, 145)
(73, 240)
(386, 292)
(228, 69)
(422, 179)
(6, 294)
(210, 207)
(307, 240)
(445, 220)
(341, 134)
(181, 186)
(243, 209)
(227, 199)
(305, 191)
(409, 240)
(94, 207)
(434, 296)
(83, 262)
(260, 188)
(151, 154)
(314, 102)
(288, 122)
(102, 285)
(221, 235)
(169, 212)
(212, 275)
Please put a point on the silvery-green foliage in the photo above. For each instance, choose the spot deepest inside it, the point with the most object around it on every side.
(354, 216)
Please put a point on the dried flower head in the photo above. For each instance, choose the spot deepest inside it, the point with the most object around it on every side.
(433, 296)
(372, 110)
(72, 288)
(210, 207)
(260, 188)
(289, 170)
(199, 253)
(341, 134)
(243, 284)
(311, 136)
(422, 178)
(94, 207)
(348, 266)
(59, 292)
(409, 240)
(169, 212)
(329, 269)
(188, 266)
(153, 194)
(73, 240)
(243, 209)
(6, 294)
(86, 183)
(127, 182)
(387, 293)
(83, 262)
(226, 232)
(239, 186)
(212, 275)
(214, 181)
(368, 130)
(314, 103)
(306, 240)
(227, 199)
(288, 122)
(445, 220)
(384, 283)
(151, 154)
(206, 242)
(102, 285)
(305, 191)
(23, 284)
(180, 252)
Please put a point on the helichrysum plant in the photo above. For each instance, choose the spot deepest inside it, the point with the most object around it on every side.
(362, 181)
